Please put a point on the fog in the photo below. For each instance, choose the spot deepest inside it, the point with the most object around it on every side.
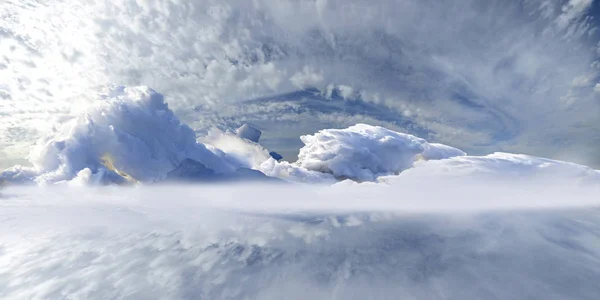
(434, 240)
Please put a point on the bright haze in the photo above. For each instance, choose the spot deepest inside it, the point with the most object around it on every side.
(483, 76)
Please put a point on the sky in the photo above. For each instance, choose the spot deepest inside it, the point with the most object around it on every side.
(515, 76)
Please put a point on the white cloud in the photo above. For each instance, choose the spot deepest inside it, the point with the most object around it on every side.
(510, 62)
(571, 11)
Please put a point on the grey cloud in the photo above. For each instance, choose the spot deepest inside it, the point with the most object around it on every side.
(482, 76)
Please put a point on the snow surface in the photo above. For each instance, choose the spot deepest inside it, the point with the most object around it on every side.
(503, 167)
(248, 132)
(434, 223)
(426, 221)
(130, 135)
(293, 173)
(364, 152)
(359, 241)
(135, 130)
(243, 151)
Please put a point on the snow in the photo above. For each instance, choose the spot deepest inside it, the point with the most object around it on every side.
(417, 219)
(375, 213)
(293, 173)
(128, 132)
(191, 171)
(131, 136)
(363, 152)
(248, 132)
(244, 152)
(502, 167)
(360, 241)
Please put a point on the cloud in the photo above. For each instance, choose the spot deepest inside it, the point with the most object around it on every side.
(481, 77)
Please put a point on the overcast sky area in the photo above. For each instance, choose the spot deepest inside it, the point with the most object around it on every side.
(518, 76)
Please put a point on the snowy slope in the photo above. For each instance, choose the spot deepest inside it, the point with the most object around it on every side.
(131, 135)
(288, 243)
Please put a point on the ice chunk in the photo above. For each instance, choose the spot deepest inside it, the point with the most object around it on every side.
(275, 155)
(248, 132)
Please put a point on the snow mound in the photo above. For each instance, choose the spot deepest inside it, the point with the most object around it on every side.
(129, 133)
(501, 166)
(192, 171)
(244, 152)
(363, 152)
(293, 173)
(248, 132)
(290, 242)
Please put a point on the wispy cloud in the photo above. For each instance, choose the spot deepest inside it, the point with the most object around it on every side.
(514, 75)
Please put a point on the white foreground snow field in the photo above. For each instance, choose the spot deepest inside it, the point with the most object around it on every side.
(431, 240)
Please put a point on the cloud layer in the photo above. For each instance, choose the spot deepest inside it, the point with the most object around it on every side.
(499, 75)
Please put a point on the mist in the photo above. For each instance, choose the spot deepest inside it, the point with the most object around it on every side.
(436, 240)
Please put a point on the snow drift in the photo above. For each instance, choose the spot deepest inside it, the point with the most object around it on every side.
(129, 132)
(364, 152)
(131, 135)
(504, 166)
(290, 242)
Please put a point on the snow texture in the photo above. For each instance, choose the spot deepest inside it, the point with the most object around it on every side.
(191, 171)
(244, 152)
(144, 142)
(363, 152)
(130, 135)
(248, 132)
(293, 173)
(133, 130)
(504, 166)
(361, 241)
